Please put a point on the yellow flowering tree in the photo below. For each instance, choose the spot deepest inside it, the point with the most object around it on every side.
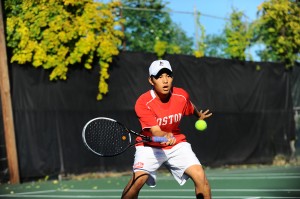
(278, 28)
(55, 34)
(162, 47)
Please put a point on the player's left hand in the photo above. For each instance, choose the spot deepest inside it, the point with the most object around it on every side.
(171, 139)
(204, 114)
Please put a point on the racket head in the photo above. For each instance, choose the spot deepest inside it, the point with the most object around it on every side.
(106, 137)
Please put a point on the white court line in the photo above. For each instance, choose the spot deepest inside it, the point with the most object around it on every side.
(28, 194)
(57, 196)
(256, 190)
(20, 194)
(241, 177)
(252, 177)
(256, 175)
(245, 173)
(185, 190)
(159, 197)
(35, 192)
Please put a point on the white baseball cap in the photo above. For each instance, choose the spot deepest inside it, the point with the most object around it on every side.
(157, 65)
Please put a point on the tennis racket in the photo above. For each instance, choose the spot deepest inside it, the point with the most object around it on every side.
(107, 137)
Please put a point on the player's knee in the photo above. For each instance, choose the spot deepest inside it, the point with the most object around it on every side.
(201, 183)
(140, 179)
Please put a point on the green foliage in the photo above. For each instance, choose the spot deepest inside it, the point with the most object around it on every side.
(55, 34)
(237, 36)
(215, 46)
(279, 29)
(149, 28)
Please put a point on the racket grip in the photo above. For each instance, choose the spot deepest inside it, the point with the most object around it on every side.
(159, 139)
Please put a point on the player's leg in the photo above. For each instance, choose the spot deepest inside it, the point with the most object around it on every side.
(132, 189)
(202, 187)
(189, 168)
(146, 161)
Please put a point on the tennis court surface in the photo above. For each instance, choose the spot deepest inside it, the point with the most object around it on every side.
(251, 182)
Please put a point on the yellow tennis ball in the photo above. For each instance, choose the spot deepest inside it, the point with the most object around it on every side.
(200, 125)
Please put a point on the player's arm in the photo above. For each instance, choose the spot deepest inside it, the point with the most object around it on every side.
(156, 131)
(200, 114)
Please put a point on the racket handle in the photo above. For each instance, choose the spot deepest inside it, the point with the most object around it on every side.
(159, 139)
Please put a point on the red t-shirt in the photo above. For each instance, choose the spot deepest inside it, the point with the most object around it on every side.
(151, 112)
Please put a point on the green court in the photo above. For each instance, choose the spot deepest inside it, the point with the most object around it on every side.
(244, 182)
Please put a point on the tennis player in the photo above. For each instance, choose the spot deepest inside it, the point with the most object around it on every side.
(160, 111)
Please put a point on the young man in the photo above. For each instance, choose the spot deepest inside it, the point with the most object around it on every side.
(159, 111)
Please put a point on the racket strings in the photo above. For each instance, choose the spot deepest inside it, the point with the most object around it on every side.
(107, 137)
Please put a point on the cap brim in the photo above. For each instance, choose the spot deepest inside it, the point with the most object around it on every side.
(163, 70)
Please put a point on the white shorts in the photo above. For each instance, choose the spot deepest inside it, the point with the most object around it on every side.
(177, 160)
